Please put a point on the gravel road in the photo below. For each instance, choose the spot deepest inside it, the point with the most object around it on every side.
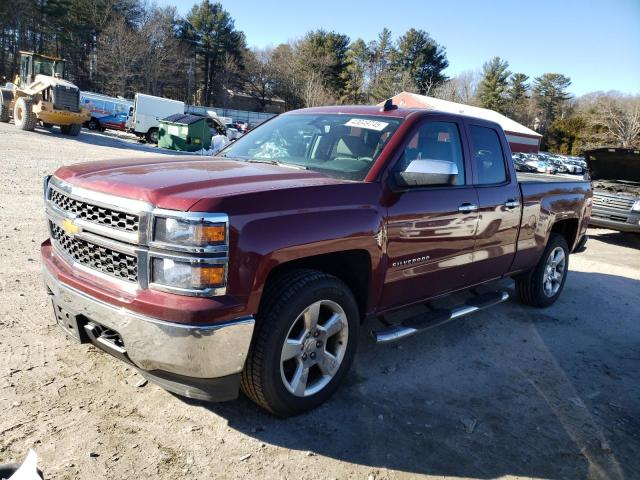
(513, 391)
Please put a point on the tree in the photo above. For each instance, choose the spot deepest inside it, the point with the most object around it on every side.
(358, 57)
(424, 60)
(259, 75)
(323, 56)
(620, 117)
(163, 55)
(119, 52)
(565, 135)
(215, 37)
(550, 96)
(494, 85)
(288, 77)
(461, 88)
(382, 56)
(518, 96)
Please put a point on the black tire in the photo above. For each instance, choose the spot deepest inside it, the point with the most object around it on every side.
(152, 136)
(93, 124)
(531, 285)
(4, 112)
(23, 115)
(5, 104)
(284, 301)
(72, 130)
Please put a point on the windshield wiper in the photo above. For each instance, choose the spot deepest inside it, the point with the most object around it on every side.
(270, 161)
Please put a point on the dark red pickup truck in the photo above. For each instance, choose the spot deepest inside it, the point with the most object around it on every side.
(256, 268)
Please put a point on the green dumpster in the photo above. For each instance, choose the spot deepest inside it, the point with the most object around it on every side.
(185, 133)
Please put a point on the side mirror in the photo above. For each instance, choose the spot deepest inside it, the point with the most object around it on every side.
(427, 172)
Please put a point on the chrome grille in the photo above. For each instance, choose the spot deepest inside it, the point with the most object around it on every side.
(117, 264)
(93, 213)
(614, 202)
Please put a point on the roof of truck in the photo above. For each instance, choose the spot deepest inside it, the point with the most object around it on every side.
(378, 111)
(359, 110)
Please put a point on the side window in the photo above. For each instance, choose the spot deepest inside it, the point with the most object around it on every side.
(487, 155)
(435, 141)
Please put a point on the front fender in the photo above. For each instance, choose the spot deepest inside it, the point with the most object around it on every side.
(267, 243)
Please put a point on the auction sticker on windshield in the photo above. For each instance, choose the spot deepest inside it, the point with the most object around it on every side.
(369, 124)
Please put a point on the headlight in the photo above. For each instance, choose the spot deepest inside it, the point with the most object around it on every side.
(190, 230)
(636, 206)
(188, 276)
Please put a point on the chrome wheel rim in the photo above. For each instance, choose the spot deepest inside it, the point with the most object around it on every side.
(554, 271)
(314, 348)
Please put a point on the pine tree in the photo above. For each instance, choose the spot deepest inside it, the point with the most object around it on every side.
(424, 60)
(216, 39)
(517, 96)
(494, 85)
(550, 95)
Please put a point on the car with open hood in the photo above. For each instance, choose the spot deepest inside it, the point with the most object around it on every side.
(615, 177)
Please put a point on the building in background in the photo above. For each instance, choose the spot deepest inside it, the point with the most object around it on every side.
(521, 138)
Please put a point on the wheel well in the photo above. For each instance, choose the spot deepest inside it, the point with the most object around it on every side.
(568, 229)
(353, 267)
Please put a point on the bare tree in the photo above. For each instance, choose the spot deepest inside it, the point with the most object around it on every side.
(162, 56)
(314, 93)
(260, 75)
(119, 53)
(461, 88)
(620, 117)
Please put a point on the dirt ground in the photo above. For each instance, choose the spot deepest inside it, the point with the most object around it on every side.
(513, 391)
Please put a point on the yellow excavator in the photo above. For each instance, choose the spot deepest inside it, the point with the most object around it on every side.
(41, 94)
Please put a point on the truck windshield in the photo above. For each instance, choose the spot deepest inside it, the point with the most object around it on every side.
(338, 145)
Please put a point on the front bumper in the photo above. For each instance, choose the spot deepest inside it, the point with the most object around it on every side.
(615, 220)
(196, 361)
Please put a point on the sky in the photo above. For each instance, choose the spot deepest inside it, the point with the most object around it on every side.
(595, 43)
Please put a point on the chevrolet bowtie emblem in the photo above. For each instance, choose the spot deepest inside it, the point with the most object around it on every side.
(69, 227)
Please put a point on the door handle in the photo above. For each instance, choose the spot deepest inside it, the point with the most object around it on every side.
(512, 204)
(467, 207)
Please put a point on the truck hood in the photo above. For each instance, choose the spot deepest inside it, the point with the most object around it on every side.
(614, 164)
(177, 183)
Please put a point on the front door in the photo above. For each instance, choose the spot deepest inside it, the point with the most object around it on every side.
(430, 230)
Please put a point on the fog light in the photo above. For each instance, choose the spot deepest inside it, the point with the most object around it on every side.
(188, 276)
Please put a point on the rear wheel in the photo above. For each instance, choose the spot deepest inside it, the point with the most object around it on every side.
(305, 341)
(23, 115)
(152, 136)
(72, 130)
(542, 286)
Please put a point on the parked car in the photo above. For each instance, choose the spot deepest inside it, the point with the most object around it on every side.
(615, 175)
(146, 113)
(257, 269)
(521, 165)
(539, 165)
(106, 112)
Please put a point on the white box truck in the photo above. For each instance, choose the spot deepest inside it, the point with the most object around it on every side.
(146, 113)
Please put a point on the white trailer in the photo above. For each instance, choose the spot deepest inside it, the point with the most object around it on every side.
(146, 113)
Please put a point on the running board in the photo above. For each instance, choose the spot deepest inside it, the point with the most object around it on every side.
(435, 318)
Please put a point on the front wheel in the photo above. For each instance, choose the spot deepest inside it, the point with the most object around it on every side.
(305, 341)
(73, 130)
(23, 115)
(93, 124)
(542, 286)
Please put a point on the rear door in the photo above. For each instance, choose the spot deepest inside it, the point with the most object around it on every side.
(499, 207)
(430, 230)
